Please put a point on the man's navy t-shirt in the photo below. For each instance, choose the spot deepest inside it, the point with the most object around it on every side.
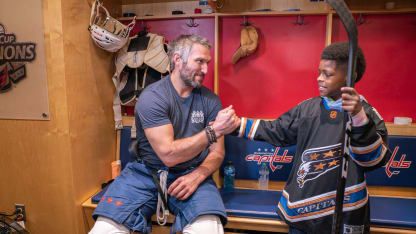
(160, 104)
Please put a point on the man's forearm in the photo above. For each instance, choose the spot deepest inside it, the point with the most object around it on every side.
(208, 166)
(185, 186)
(212, 162)
(182, 150)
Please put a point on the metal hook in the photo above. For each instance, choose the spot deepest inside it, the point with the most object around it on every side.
(145, 28)
(192, 23)
(300, 20)
(245, 23)
(142, 24)
(361, 19)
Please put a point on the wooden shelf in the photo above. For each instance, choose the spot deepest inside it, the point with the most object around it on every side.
(268, 13)
(405, 130)
(127, 2)
(128, 120)
(393, 129)
(272, 13)
(181, 16)
(394, 11)
(229, 14)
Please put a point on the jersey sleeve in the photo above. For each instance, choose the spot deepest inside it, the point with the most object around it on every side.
(279, 132)
(369, 143)
(152, 110)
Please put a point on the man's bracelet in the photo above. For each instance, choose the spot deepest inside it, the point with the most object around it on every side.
(209, 131)
(208, 135)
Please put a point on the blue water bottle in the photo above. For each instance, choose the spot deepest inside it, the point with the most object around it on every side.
(229, 174)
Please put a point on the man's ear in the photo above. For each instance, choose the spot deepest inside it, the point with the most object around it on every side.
(177, 59)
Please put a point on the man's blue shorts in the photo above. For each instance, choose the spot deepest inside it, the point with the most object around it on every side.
(131, 200)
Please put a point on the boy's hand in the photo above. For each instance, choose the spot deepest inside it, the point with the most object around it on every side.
(351, 100)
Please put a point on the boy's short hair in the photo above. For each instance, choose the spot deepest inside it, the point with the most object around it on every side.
(339, 52)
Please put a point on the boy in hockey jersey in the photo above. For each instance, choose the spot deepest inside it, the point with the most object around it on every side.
(315, 127)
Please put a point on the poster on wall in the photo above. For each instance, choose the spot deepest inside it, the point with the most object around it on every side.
(23, 81)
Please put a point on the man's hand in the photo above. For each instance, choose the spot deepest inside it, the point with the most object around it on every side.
(351, 100)
(184, 186)
(225, 122)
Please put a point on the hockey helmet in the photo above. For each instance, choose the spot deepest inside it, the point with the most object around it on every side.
(107, 32)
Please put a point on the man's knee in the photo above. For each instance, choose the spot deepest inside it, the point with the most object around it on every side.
(204, 224)
(105, 225)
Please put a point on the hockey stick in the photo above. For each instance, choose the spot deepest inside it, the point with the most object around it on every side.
(348, 20)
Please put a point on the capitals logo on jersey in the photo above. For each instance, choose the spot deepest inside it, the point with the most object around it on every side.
(197, 117)
(318, 161)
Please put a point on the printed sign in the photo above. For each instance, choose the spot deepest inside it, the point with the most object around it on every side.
(393, 165)
(247, 157)
(271, 157)
(13, 56)
(23, 84)
(400, 169)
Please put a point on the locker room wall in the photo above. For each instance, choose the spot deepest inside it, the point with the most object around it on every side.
(280, 73)
(283, 70)
(389, 45)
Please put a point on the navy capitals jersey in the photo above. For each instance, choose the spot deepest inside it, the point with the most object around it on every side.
(308, 199)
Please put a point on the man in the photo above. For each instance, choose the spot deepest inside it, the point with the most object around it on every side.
(180, 128)
(314, 126)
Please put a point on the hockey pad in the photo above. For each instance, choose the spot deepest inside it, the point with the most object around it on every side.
(132, 88)
(136, 50)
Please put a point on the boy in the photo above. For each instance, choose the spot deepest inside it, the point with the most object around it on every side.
(315, 127)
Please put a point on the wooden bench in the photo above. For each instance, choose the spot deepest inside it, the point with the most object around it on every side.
(393, 200)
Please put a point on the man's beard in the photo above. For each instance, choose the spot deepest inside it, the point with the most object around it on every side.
(186, 76)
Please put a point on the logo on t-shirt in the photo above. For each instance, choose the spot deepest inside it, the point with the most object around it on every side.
(197, 117)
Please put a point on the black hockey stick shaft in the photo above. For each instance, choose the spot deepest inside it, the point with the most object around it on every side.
(348, 20)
